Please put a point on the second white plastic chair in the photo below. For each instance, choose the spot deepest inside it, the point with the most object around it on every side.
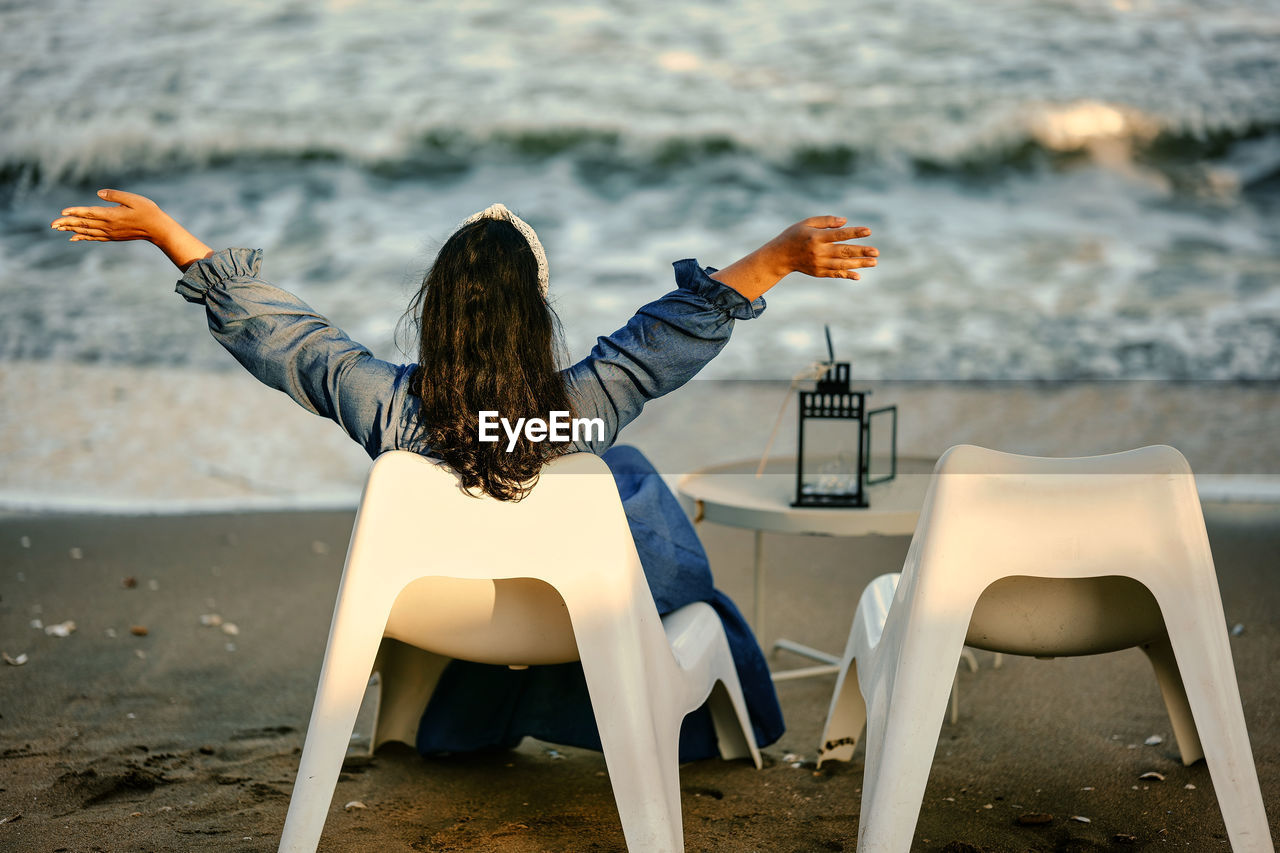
(549, 579)
(1045, 557)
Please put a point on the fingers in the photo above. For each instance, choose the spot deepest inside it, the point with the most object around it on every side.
(842, 263)
(117, 196)
(850, 250)
(845, 264)
(846, 256)
(829, 224)
(76, 221)
(821, 243)
(125, 219)
(824, 221)
(853, 232)
(97, 214)
(84, 228)
(121, 197)
(84, 231)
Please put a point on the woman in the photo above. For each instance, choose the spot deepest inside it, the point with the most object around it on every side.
(487, 341)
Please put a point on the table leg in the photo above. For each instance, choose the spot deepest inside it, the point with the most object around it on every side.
(758, 575)
(807, 651)
(805, 672)
(830, 664)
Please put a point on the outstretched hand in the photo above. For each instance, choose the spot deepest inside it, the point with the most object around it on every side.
(815, 246)
(134, 217)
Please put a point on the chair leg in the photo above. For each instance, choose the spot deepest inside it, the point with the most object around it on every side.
(348, 660)
(713, 672)
(643, 758)
(733, 725)
(967, 655)
(635, 700)
(409, 677)
(1160, 654)
(847, 713)
(1203, 658)
(904, 719)
(845, 718)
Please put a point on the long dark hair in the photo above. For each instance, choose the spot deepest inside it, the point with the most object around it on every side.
(487, 340)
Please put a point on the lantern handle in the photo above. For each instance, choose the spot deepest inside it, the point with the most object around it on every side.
(816, 370)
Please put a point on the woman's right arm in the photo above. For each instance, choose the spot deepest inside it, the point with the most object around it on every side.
(135, 217)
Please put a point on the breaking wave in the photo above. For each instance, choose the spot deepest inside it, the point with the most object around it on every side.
(1053, 138)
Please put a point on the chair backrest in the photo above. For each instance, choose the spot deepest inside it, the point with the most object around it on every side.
(494, 581)
(1062, 555)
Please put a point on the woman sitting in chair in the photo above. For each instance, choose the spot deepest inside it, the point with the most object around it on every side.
(489, 342)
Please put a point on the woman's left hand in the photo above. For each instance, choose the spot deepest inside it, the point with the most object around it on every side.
(815, 246)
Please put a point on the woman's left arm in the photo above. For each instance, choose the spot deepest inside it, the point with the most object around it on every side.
(668, 341)
(275, 335)
(814, 246)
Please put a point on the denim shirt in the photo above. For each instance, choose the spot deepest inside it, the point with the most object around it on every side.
(287, 345)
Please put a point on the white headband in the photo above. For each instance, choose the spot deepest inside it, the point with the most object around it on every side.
(498, 211)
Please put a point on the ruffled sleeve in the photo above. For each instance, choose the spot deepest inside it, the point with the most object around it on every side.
(217, 268)
(661, 348)
(698, 280)
(287, 345)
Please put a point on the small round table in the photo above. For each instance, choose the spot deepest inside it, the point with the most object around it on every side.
(732, 494)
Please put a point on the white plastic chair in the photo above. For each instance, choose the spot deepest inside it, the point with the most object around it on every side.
(1046, 557)
(549, 579)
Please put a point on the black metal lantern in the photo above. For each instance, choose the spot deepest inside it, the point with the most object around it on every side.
(834, 452)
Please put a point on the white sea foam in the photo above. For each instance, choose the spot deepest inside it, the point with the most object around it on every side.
(965, 289)
(373, 82)
(348, 139)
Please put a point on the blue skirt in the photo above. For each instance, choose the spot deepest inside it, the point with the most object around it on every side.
(481, 706)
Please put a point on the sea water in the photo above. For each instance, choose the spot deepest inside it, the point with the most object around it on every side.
(1068, 191)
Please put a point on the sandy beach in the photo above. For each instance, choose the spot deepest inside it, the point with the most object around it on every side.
(187, 738)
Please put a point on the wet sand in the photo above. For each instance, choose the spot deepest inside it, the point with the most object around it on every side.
(187, 738)
(115, 439)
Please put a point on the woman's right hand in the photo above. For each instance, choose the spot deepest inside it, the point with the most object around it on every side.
(134, 217)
